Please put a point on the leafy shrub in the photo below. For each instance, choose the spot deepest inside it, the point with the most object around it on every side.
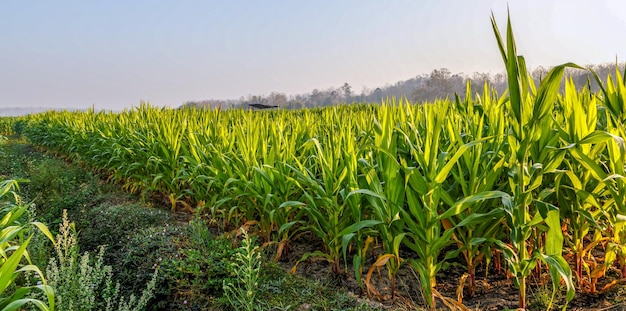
(83, 283)
(195, 274)
(141, 253)
(112, 225)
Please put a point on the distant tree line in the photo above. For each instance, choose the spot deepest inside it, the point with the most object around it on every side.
(438, 84)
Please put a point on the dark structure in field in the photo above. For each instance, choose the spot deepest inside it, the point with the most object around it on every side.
(261, 106)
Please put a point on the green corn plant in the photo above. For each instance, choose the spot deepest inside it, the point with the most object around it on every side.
(210, 161)
(479, 169)
(278, 219)
(283, 186)
(529, 117)
(322, 185)
(248, 186)
(164, 161)
(613, 97)
(579, 193)
(264, 184)
(272, 183)
(7, 124)
(383, 185)
(13, 252)
(426, 173)
(610, 185)
(355, 149)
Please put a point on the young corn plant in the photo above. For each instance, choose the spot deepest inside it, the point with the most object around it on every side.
(613, 98)
(164, 161)
(529, 118)
(271, 183)
(579, 193)
(383, 185)
(7, 124)
(360, 241)
(13, 244)
(426, 173)
(329, 214)
(479, 169)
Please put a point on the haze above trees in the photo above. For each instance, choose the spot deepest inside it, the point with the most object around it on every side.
(439, 83)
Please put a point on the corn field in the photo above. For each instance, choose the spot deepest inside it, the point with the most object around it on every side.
(534, 177)
(6, 125)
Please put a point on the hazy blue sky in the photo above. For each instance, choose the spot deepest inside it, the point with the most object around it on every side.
(112, 54)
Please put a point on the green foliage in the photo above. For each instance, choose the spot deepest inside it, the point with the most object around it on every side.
(199, 268)
(54, 184)
(14, 239)
(7, 125)
(58, 186)
(144, 251)
(533, 156)
(245, 268)
(83, 282)
(14, 161)
(112, 225)
(279, 290)
(18, 126)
